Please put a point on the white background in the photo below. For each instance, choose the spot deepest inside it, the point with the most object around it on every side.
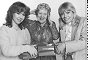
(80, 6)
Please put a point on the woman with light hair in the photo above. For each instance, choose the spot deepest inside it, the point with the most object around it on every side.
(42, 31)
(72, 34)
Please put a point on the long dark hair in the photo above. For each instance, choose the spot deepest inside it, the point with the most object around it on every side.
(14, 8)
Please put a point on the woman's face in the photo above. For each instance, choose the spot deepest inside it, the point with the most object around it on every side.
(18, 17)
(67, 16)
(42, 15)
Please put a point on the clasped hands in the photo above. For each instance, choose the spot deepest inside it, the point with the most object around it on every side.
(60, 48)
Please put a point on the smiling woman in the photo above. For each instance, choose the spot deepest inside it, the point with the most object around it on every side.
(18, 17)
(43, 31)
(13, 35)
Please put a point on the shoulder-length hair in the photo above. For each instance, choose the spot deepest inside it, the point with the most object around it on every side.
(15, 8)
(70, 7)
(74, 23)
(66, 6)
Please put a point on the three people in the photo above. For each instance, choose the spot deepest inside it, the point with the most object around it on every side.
(19, 34)
(13, 35)
(72, 33)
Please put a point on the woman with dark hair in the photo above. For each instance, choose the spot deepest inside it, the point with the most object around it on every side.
(43, 31)
(72, 32)
(13, 36)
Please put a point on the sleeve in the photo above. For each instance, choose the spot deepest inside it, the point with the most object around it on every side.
(8, 49)
(77, 45)
(28, 36)
(54, 31)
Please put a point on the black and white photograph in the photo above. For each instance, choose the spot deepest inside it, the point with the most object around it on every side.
(43, 30)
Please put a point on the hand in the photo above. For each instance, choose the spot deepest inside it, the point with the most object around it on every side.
(56, 42)
(25, 56)
(32, 51)
(61, 47)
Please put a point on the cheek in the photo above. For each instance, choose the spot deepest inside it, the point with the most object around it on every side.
(14, 17)
(46, 16)
(62, 16)
(72, 16)
(23, 17)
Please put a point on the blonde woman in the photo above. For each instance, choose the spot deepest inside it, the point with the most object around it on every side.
(73, 33)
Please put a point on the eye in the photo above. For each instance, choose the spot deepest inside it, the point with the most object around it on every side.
(18, 12)
(68, 12)
(23, 14)
(45, 14)
(40, 13)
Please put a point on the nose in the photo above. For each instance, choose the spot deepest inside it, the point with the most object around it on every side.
(65, 15)
(41, 15)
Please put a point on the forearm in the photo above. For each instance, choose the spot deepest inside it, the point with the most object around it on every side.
(14, 50)
(72, 46)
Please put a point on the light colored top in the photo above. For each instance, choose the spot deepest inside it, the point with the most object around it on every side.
(11, 43)
(68, 31)
(77, 46)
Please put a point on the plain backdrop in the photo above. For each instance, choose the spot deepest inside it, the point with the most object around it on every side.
(80, 6)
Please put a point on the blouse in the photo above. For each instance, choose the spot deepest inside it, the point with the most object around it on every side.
(42, 35)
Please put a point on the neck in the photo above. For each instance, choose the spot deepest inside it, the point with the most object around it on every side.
(15, 26)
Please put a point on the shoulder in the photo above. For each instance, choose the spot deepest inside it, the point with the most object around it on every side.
(30, 22)
(83, 21)
(4, 30)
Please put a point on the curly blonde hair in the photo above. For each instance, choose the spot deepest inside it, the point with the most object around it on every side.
(43, 6)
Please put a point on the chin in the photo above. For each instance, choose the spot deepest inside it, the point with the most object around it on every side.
(42, 22)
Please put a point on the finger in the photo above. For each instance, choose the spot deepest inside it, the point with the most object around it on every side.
(32, 55)
(35, 55)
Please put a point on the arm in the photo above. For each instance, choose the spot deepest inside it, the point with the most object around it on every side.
(54, 31)
(77, 45)
(28, 37)
(9, 49)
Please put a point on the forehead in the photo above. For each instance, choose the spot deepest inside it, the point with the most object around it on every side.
(20, 9)
(65, 10)
(43, 10)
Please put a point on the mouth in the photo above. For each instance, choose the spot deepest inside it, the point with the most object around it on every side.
(20, 20)
(41, 18)
(66, 19)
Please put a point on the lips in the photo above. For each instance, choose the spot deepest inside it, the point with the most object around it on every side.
(20, 20)
(66, 19)
(42, 18)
